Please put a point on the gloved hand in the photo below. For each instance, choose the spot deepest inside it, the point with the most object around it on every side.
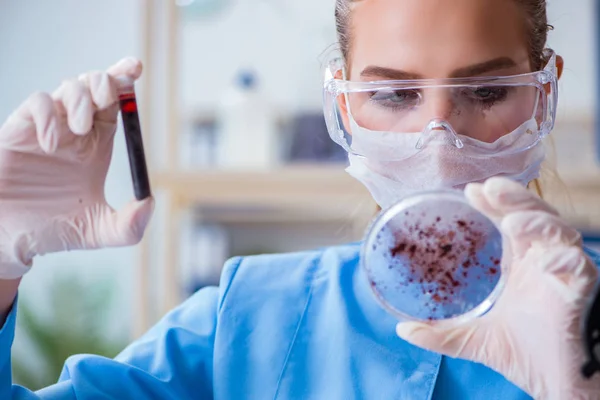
(532, 335)
(55, 152)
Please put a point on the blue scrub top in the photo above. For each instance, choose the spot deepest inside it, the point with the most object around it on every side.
(289, 326)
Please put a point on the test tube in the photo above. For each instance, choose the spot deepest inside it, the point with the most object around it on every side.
(133, 138)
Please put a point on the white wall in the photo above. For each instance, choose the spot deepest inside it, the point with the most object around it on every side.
(574, 38)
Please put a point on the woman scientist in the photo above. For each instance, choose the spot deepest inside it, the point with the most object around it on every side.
(306, 325)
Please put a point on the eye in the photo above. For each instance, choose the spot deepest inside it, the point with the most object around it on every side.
(396, 98)
(486, 95)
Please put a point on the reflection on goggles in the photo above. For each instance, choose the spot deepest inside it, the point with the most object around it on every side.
(483, 113)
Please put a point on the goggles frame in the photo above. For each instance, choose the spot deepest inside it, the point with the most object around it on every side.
(545, 80)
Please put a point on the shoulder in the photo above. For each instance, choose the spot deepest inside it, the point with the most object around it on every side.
(286, 273)
(594, 255)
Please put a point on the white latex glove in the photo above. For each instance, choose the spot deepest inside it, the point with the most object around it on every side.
(533, 334)
(55, 151)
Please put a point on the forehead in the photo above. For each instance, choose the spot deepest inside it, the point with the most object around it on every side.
(434, 37)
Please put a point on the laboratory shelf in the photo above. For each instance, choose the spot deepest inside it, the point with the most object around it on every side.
(302, 186)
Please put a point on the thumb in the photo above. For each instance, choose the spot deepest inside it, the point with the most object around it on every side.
(128, 66)
(454, 342)
(126, 227)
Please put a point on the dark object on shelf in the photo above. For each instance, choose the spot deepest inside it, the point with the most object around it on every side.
(310, 141)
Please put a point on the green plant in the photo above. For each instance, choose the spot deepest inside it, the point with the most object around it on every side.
(76, 324)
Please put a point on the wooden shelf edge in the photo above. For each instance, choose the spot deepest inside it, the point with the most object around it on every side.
(306, 186)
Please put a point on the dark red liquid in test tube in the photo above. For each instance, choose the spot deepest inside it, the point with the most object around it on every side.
(133, 139)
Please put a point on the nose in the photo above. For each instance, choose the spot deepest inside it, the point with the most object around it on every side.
(439, 104)
(440, 116)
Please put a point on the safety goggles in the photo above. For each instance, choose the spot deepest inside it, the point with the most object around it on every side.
(499, 114)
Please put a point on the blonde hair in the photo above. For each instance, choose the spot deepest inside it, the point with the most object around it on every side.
(550, 186)
(535, 11)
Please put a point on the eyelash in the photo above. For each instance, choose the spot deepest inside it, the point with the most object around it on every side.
(388, 104)
(497, 94)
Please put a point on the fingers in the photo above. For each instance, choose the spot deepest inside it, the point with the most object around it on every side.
(101, 87)
(40, 111)
(74, 100)
(97, 226)
(508, 196)
(476, 197)
(129, 66)
(81, 102)
(570, 272)
(538, 228)
(125, 227)
(94, 95)
(498, 197)
(560, 255)
(104, 86)
(454, 342)
(103, 90)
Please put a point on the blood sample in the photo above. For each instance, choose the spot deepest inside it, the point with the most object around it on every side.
(434, 257)
(133, 138)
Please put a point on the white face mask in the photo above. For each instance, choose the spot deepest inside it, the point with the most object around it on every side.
(439, 165)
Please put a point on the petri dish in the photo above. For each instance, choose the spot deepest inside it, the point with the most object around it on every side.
(433, 257)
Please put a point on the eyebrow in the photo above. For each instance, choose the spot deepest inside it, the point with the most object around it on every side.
(496, 64)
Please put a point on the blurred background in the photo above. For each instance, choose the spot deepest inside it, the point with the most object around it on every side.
(239, 156)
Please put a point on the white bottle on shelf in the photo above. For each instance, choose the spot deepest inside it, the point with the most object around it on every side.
(247, 134)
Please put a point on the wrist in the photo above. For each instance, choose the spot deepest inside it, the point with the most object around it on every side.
(8, 293)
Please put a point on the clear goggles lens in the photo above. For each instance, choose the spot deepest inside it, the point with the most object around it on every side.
(479, 111)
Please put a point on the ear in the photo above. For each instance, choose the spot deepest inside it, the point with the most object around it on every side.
(343, 106)
(560, 65)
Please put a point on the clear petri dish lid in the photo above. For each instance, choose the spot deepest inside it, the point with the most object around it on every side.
(433, 257)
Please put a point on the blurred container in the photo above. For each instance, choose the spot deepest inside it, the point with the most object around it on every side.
(247, 133)
(205, 249)
(198, 145)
